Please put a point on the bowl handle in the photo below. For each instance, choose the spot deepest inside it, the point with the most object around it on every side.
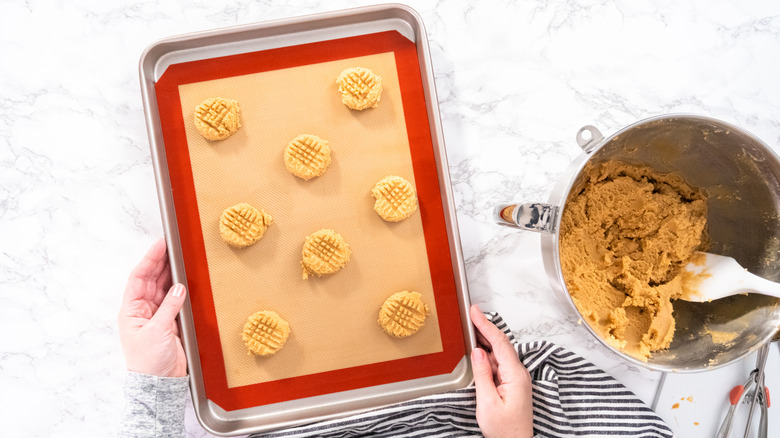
(531, 216)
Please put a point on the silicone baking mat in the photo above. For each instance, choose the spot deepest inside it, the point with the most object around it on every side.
(335, 343)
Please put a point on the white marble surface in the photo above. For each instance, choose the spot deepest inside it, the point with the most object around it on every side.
(516, 80)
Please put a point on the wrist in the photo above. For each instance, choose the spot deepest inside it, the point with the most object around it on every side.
(161, 365)
(156, 372)
(154, 405)
(142, 374)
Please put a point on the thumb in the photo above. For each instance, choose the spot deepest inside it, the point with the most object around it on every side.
(170, 306)
(487, 393)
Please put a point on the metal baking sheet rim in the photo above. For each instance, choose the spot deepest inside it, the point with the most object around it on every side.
(267, 35)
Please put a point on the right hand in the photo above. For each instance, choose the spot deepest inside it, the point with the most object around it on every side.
(504, 406)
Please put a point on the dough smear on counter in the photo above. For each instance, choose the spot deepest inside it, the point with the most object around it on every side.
(625, 237)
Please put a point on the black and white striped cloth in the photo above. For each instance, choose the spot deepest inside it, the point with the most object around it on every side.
(571, 398)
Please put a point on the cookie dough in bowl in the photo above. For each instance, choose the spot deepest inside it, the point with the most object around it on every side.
(625, 238)
(625, 215)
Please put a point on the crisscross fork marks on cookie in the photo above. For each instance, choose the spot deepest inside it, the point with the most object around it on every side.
(265, 332)
(324, 252)
(359, 82)
(242, 224)
(266, 337)
(307, 150)
(307, 156)
(407, 316)
(360, 88)
(214, 114)
(403, 313)
(217, 118)
(396, 198)
(396, 194)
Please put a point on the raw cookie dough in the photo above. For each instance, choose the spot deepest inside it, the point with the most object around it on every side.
(626, 234)
(242, 224)
(324, 252)
(265, 333)
(396, 198)
(307, 156)
(360, 88)
(217, 118)
(403, 314)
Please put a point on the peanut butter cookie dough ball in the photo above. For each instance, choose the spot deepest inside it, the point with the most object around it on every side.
(265, 333)
(395, 197)
(307, 156)
(242, 224)
(324, 253)
(360, 88)
(217, 118)
(403, 314)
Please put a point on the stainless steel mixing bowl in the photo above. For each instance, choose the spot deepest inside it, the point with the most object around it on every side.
(741, 176)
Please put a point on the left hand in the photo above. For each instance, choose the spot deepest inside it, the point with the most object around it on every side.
(147, 319)
(504, 405)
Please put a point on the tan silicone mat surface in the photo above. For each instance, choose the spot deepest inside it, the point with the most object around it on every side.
(333, 319)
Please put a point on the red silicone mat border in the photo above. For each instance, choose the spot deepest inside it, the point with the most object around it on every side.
(190, 230)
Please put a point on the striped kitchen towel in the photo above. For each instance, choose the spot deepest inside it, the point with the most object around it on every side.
(571, 398)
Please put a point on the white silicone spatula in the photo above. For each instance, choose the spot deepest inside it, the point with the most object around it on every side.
(715, 276)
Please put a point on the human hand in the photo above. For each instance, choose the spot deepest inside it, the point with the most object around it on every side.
(504, 407)
(147, 319)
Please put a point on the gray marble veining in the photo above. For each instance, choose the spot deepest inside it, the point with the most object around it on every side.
(515, 82)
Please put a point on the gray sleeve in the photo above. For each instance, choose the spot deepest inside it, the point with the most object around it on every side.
(154, 406)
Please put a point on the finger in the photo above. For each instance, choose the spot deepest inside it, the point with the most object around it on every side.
(171, 305)
(487, 394)
(487, 332)
(164, 283)
(503, 351)
(494, 337)
(148, 271)
(493, 363)
(152, 264)
(483, 342)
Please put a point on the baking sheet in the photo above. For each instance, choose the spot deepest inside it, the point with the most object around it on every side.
(334, 318)
(226, 285)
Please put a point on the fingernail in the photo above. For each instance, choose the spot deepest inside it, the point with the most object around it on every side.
(178, 290)
(478, 355)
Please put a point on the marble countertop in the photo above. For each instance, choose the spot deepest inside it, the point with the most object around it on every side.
(515, 81)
